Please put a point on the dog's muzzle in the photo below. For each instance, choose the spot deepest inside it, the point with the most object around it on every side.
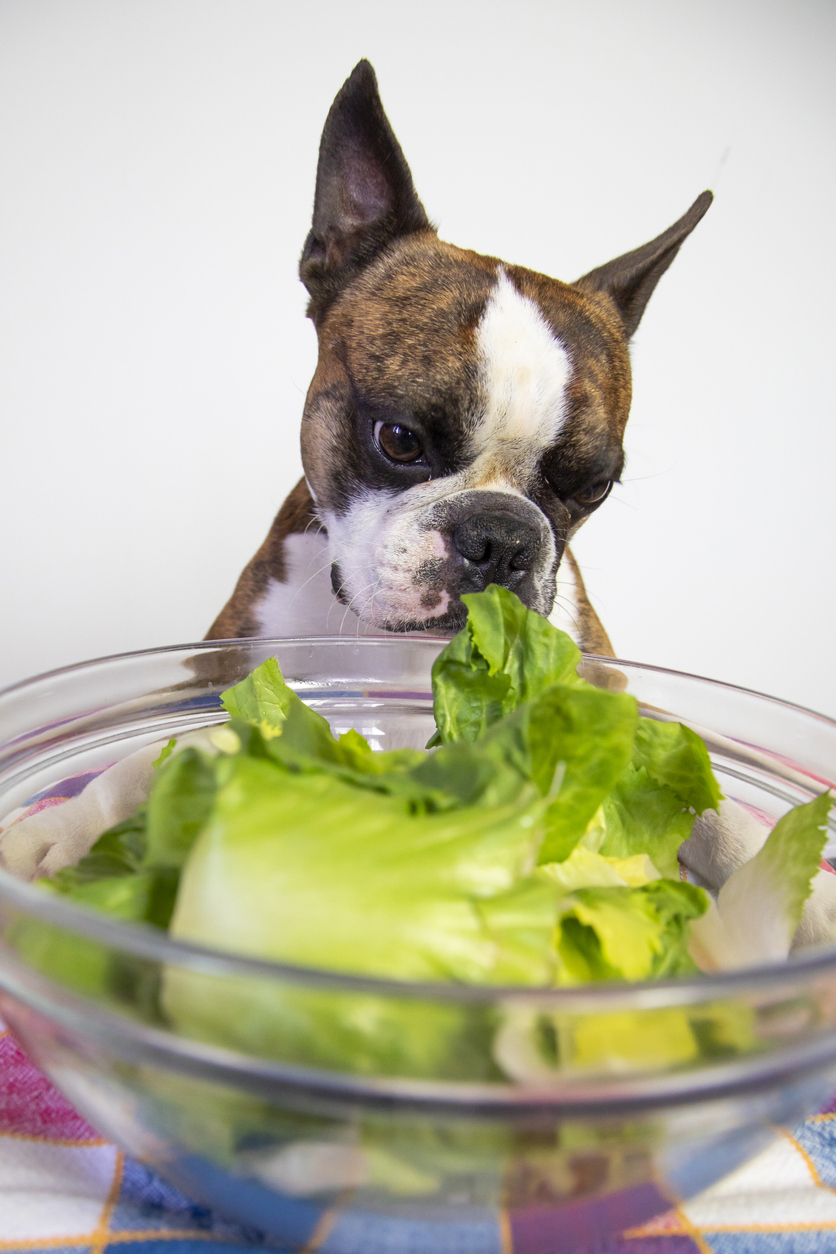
(460, 545)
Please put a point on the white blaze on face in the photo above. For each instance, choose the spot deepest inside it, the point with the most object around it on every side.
(382, 543)
(524, 373)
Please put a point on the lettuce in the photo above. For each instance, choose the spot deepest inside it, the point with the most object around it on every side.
(504, 655)
(511, 678)
(573, 743)
(308, 869)
(180, 803)
(629, 933)
(677, 759)
(535, 845)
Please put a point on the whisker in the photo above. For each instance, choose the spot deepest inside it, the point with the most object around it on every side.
(312, 522)
(369, 601)
(569, 608)
(321, 570)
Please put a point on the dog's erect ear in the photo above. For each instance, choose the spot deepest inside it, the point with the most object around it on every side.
(364, 197)
(630, 280)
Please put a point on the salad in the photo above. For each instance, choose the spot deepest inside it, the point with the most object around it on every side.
(532, 844)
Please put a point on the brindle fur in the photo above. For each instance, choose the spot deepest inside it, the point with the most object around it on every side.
(236, 618)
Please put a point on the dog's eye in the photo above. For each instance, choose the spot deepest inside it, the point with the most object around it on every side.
(594, 493)
(397, 442)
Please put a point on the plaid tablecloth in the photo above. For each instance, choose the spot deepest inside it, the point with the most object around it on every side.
(62, 1187)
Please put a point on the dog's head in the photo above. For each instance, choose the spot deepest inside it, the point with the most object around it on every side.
(466, 416)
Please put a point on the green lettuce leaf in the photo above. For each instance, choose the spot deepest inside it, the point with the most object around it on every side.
(308, 869)
(179, 804)
(120, 851)
(111, 878)
(141, 897)
(628, 933)
(350, 1032)
(272, 721)
(505, 655)
(676, 757)
(535, 1044)
(641, 815)
(574, 743)
(263, 698)
(521, 923)
(586, 869)
(651, 808)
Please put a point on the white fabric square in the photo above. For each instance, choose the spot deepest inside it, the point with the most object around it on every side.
(49, 1191)
(773, 1189)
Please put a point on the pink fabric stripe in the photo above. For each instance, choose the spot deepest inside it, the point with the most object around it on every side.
(30, 1106)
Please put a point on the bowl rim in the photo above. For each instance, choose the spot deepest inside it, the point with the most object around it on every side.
(422, 640)
(413, 638)
(145, 941)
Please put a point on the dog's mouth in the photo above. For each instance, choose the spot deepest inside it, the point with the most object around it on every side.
(448, 623)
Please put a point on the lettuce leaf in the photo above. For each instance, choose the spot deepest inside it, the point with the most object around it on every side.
(677, 758)
(311, 870)
(265, 700)
(180, 803)
(586, 869)
(574, 743)
(533, 1043)
(652, 807)
(351, 1032)
(114, 878)
(641, 815)
(272, 721)
(306, 868)
(120, 851)
(505, 655)
(628, 933)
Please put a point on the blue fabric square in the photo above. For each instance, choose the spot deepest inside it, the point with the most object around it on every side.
(771, 1242)
(818, 1138)
(149, 1203)
(356, 1232)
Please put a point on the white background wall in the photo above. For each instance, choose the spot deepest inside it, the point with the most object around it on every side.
(157, 163)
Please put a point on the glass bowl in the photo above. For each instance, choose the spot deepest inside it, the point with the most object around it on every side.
(683, 1081)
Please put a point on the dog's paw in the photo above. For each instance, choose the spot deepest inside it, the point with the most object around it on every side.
(60, 835)
(721, 841)
(818, 922)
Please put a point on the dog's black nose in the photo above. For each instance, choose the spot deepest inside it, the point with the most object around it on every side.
(496, 548)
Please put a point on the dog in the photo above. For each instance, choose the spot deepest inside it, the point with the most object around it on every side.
(465, 418)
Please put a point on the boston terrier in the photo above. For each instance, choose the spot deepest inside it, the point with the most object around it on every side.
(465, 419)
